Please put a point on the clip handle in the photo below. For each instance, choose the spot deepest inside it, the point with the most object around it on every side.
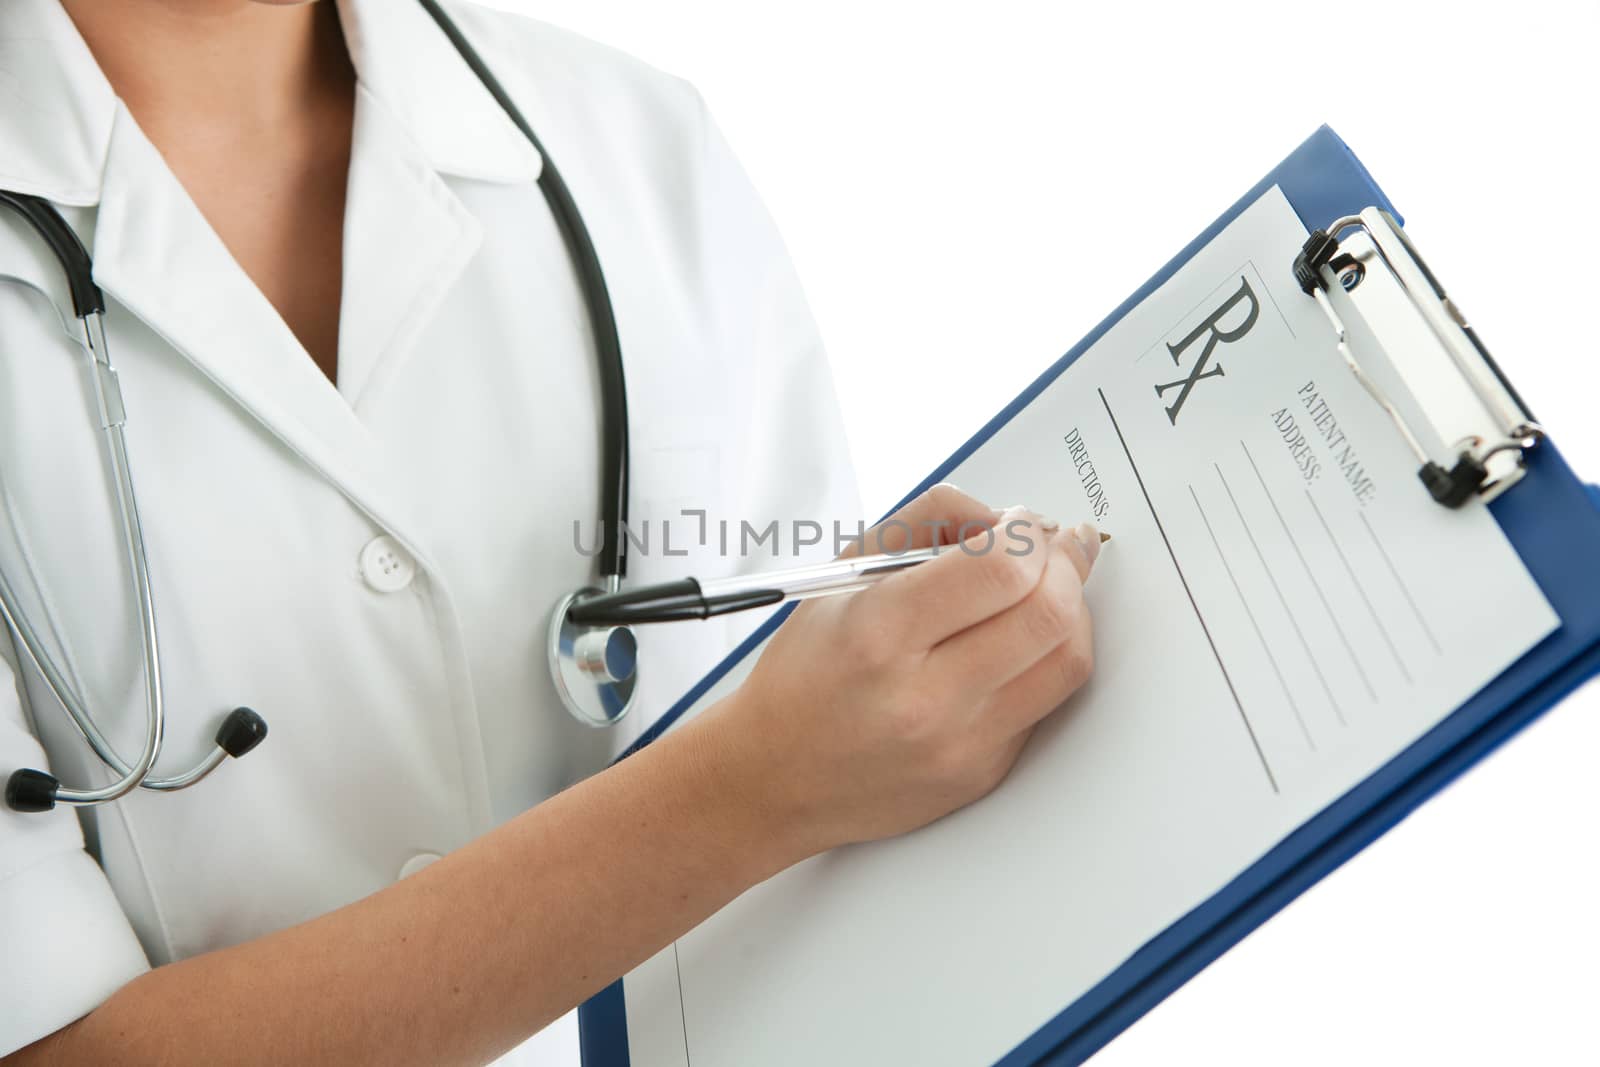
(1317, 252)
(1483, 417)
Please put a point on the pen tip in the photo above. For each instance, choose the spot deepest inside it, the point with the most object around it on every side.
(1104, 537)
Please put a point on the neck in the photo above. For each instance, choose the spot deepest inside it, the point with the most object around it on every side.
(232, 64)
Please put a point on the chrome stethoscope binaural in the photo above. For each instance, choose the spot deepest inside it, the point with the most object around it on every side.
(592, 664)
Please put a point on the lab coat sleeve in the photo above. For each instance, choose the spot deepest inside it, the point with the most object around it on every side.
(65, 944)
(794, 460)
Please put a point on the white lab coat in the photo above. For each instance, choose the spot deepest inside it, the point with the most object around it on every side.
(407, 714)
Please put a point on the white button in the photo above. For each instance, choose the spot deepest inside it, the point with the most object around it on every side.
(386, 566)
(416, 863)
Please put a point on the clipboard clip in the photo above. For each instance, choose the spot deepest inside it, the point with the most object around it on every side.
(1482, 427)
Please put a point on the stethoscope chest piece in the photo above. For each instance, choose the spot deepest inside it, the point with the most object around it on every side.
(595, 668)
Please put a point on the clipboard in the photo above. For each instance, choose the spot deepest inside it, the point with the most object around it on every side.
(1476, 445)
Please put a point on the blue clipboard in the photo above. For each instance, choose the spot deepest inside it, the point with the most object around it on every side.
(1552, 520)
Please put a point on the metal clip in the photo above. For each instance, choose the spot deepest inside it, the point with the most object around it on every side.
(1487, 427)
(107, 388)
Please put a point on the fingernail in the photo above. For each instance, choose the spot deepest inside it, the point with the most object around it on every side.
(1088, 538)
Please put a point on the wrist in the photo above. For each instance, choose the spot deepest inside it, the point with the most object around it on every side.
(740, 775)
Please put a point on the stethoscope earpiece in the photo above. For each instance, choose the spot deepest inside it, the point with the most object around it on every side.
(241, 731)
(29, 790)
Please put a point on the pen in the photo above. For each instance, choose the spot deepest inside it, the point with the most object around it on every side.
(691, 598)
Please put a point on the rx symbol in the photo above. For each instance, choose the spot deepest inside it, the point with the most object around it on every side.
(1217, 337)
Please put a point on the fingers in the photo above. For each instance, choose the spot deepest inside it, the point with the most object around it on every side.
(1022, 702)
(989, 572)
(941, 516)
(984, 658)
(1086, 544)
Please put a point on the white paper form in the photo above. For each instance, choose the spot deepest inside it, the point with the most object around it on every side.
(1281, 611)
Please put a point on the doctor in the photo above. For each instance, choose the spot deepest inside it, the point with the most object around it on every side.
(363, 418)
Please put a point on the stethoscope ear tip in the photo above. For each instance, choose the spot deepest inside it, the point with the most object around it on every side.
(241, 731)
(30, 790)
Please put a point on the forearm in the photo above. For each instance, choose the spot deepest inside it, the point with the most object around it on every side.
(466, 958)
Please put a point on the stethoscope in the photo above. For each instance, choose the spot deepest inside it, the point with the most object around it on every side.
(593, 663)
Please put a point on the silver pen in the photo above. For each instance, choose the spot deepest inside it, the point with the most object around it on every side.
(692, 598)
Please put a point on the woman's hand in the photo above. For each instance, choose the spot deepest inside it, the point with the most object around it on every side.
(867, 716)
(874, 714)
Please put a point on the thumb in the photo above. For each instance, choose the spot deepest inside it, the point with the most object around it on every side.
(1084, 548)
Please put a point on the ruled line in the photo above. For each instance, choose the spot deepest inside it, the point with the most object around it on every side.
(1344, 638)
(1293, 622)
(683, 1014)
(1244, 718)
(1405, 590)
(1355, 580)
(1254, 625)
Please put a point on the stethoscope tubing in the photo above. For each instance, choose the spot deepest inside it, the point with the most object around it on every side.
(614, 458)
(243, 729)
(112, 419)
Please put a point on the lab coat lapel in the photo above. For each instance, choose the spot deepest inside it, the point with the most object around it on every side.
(156, 254)
(407, 240)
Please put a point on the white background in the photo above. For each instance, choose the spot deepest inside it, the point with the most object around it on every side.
(967, 189)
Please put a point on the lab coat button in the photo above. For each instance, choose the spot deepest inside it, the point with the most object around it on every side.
(416, 863)
(386, 566)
